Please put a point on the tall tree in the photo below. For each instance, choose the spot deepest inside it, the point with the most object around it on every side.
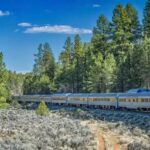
(101, 73)
(146, 21)
(78, 57)
(134, 26)
(44, 61)
(126, 32)
(66, 77)
(101, 36)
(4, 93)
(42, 79)
(48, 61)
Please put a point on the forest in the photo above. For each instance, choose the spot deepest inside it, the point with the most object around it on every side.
(115, 60)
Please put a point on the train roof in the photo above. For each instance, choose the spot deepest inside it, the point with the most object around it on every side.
(79, 95)
(139, 90)
(93, 95)
(144, 94)
(103, 95)
(61, 94)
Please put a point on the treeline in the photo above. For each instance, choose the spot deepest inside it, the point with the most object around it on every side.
(11, 83)
(116, 59)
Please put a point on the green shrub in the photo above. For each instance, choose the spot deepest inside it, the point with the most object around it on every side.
(42, 109)
(2, 100)
(78, 110)
(4, 105)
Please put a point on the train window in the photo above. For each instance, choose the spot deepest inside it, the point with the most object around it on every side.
(146, 100)
(122, 100)
(82, 99)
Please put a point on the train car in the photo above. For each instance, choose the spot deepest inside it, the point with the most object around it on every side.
(134, 100)
(46, 98)
(78, 99)
(27, 98)
(34, 98)
(60, 98)
(105, 100)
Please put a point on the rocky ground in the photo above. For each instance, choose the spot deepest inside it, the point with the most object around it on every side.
(74, 129)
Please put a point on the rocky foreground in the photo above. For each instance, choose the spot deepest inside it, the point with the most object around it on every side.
(74, 129)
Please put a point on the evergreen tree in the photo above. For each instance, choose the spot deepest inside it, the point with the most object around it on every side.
(134, 26)
(101, 74)
(66, 80)
(4, 93)
(146, 21)
(44, 61)
(42, 79)
(48, 61)
(78, 57)
(101, 36)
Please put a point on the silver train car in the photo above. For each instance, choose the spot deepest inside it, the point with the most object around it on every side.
(134, 101)
(108, 100)
(129, 100)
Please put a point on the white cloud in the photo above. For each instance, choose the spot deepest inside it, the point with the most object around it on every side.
(24, 24)
(96, 5)
(64, 29)
(4, 13)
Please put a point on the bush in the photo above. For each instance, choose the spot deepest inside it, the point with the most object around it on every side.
(3, 104)
(42, 109)
(79, 110)
(2, 100)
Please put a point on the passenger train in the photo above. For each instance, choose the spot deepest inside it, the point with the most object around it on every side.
(133, 99)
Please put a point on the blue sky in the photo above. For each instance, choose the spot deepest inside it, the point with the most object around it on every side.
(26, 23)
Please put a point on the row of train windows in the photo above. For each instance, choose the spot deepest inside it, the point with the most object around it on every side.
(135, 100)
(78, 99)
(100, 99)
(91, 99)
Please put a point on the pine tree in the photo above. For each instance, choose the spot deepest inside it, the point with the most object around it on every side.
(66, 76)
(38, 61)
(42, 109)
(146, 21)
(48, 61)
(78, 57)
(42, 79)
(101, 36)
(133, 23)
(4, 93)
(44, 61)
